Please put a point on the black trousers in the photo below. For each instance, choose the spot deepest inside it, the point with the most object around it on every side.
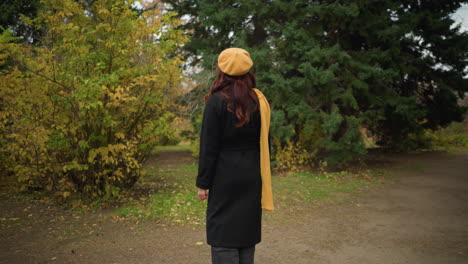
(220, 255)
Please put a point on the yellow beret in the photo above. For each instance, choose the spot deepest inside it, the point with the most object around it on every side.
(235, 61)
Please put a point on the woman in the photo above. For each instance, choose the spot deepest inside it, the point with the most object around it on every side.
(234, 163)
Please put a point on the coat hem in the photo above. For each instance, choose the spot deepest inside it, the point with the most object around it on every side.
(233, 245)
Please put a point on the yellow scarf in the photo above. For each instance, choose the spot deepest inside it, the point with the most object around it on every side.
(267, 193)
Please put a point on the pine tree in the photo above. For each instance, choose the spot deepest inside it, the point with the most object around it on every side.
(331, 68)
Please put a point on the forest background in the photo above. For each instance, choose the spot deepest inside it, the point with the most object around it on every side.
(89, 88)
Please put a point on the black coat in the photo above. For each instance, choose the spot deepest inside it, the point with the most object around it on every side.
(229, 166)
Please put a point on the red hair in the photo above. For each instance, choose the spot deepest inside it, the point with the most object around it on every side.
(238, 90)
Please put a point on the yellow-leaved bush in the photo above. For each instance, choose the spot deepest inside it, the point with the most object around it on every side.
(82, 110)
(291, 156)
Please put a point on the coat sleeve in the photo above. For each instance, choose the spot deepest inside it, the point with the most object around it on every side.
(210, 141)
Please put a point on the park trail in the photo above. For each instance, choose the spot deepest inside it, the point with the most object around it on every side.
(419, 216)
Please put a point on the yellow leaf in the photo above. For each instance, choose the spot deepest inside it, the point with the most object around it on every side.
(91, 155)
(120, 135)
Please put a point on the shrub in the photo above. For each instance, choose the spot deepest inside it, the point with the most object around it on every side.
(451, 137)
(82, 111)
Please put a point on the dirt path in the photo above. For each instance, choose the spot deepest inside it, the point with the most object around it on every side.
(422, 217)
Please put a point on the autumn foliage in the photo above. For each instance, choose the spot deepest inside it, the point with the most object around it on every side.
(81, 111)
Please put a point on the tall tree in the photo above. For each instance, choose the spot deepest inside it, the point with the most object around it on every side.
(331, 68)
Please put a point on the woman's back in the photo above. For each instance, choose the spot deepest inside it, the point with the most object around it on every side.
(233, 145)
(234, 201)
(245, 137)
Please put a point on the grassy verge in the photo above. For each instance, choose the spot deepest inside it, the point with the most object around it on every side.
(450, 138)
(171, 148)
(176, 201)
(305, 187)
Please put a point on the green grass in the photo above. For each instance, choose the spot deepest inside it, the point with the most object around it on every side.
(450, 138)
(306, 187)
(171, 148)
(176, 200)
